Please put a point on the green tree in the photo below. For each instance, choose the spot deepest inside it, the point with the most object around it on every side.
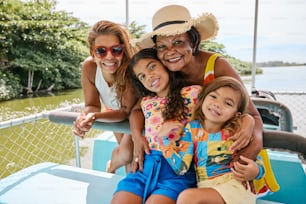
(41, 47)
(135, 30)
(242, 67)
(212, 46)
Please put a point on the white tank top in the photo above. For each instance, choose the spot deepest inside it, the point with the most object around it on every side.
(107, 94)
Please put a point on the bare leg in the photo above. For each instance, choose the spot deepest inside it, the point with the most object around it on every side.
(200, 196)
(123, 197)
(122, 154)
(153, 199)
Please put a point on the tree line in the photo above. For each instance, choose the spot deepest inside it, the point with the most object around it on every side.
(42, 49)
(279, 64)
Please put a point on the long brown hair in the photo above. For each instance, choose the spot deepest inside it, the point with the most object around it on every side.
(217, 83)
(110, 28)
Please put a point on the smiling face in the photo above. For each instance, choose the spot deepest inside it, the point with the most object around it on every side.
(108, 63)
(153, 75)
(175, 52)
(221, 105)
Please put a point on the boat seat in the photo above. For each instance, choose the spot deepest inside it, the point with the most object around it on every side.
(290, 175)
(102, 152)
(287, 167)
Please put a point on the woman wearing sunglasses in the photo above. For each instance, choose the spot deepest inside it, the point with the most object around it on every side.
(105, 85)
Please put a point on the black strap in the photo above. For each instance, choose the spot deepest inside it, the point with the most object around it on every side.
(168, 23)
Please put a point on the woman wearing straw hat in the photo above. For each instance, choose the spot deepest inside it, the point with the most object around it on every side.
(177, 37)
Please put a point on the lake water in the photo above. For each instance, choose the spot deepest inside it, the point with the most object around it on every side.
(37, 104)
(280, 79)
(273, 79)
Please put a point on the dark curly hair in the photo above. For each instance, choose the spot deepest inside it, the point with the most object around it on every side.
(174, 108)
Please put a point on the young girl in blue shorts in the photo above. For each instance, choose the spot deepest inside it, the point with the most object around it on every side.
(165, 97)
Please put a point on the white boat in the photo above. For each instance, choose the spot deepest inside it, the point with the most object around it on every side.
(45, 180)
(51, 182)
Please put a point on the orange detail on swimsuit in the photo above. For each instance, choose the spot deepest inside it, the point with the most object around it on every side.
(209, 74)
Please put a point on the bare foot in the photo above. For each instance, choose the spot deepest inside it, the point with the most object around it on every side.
(108, 167)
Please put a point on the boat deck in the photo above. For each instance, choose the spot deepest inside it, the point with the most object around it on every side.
(49, 182)
(28, 142)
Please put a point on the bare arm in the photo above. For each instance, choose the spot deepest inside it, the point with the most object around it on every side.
(223, 68)
(91, 96)
(140, 143)
(251, 151)
(93, 105)
(128, 101)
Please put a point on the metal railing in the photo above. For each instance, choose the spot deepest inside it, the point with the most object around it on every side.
(47, 136)
(32, 139)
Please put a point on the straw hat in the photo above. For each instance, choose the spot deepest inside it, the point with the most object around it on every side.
(176, 19)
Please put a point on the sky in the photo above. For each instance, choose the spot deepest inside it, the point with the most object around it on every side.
(281, 28)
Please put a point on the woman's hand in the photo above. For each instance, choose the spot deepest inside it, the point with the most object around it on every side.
(141, 146)
(87, 121)
(244, 135)
(82, 124)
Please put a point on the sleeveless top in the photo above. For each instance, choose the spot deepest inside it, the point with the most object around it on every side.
(209, 73)
(152, 107)
(108, 95)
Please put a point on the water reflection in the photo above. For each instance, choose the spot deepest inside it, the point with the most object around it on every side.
(38, 103)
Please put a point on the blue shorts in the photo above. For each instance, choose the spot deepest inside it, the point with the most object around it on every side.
(157, 178)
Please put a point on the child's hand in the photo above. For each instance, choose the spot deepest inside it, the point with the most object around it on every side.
(141, 146)
(244, 135)
(171, 129)
(247, 171)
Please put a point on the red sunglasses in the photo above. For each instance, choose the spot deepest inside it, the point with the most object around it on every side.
(101, 51)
